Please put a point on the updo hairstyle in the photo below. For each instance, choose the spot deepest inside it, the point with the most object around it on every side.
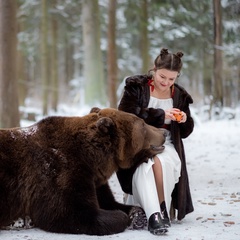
(169, 61)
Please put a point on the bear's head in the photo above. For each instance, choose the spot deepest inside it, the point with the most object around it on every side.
(135, 141)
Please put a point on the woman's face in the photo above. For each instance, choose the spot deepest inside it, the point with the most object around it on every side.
(164, 79)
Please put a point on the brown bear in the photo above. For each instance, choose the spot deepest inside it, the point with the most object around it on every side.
(56, 171)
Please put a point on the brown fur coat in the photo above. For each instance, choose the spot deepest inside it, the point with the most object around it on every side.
(135, 100)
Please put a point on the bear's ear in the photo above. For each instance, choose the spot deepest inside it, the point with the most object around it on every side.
(105, 125)
(95, 110)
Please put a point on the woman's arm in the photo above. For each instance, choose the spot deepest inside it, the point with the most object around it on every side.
(186, 128)
(135, 93)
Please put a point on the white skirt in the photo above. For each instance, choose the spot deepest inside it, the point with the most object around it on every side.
(143, 182)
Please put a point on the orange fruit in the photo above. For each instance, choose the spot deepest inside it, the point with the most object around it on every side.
(178, 116)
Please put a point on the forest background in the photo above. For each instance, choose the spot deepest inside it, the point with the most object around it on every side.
(76, 53)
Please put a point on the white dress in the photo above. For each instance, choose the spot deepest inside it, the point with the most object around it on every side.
(143, 182)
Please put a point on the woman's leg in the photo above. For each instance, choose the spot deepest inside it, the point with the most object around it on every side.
(146, 195)
(158, 175)
(144, 189)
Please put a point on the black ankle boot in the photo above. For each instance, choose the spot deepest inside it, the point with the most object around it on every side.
(155, 224)
(165, 220)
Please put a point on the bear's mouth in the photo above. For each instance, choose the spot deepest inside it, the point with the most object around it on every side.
(158, 149)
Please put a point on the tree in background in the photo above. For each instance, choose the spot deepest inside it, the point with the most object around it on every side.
(143, 27)
(9, 114)
(54, 58)
(21, 70)
(231, 66)
(111, 54)
(144, 39)
(217, 69)
(95, 88)
(135, 35)
(44, 56)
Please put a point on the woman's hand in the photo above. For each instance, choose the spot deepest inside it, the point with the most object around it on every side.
(184, 117)
(169, 114)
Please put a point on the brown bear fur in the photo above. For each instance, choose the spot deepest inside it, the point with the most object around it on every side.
(56, 171)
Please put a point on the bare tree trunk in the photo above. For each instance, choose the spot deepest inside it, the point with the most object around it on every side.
(111, 54)
(22, 78)
(93, 63)
(218, 81)
(44, 57)
(68, 59)
(238, 84)
(144, 37)
(9, 114)
(207, 75)
(21, 69)
(54, 62)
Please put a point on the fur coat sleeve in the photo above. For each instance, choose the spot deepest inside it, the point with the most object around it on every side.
(181, 196)
(135, 100)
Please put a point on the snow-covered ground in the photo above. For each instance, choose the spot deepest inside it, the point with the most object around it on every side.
(213, 156)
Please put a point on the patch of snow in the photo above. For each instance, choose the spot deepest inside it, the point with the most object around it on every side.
(28, 131)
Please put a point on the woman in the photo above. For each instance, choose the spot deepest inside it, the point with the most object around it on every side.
(161, 182)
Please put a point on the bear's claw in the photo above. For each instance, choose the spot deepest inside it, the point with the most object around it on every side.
(138, 219)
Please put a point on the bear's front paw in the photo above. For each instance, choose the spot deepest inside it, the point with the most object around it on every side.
(137, 219)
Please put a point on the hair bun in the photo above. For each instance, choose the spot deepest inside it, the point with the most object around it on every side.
(164, 51)
(179, 54)
(169, 61)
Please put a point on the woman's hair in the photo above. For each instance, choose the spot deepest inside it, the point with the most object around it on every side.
(169, 61)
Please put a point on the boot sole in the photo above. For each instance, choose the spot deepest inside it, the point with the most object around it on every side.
(158, 231)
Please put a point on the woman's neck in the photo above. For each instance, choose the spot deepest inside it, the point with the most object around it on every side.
(157, 93)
